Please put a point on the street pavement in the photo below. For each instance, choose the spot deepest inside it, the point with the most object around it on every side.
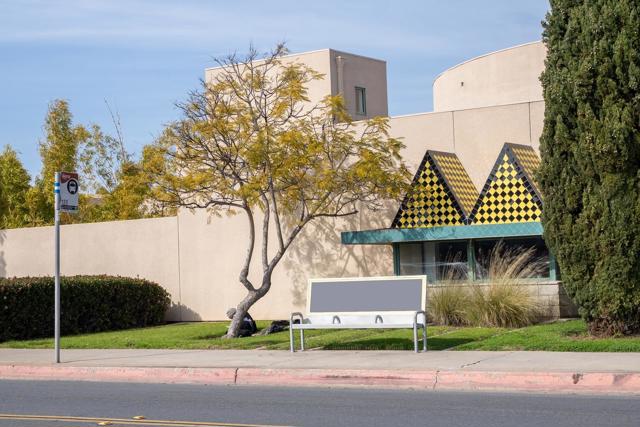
(166, 404)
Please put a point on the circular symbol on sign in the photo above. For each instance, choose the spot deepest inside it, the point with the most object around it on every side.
(72, 186)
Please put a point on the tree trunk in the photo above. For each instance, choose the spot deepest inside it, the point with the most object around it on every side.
(244, 306)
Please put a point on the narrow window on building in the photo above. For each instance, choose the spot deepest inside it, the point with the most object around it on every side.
(361, 101)
(411, 259)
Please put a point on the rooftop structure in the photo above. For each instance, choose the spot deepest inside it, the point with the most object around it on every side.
(361, 81)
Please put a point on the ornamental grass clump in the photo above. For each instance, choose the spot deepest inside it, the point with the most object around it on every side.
(503, 301)
(448, 305)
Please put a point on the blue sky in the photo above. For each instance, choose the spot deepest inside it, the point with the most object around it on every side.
(144, 55)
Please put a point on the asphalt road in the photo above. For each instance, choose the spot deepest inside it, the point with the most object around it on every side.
(236, 405)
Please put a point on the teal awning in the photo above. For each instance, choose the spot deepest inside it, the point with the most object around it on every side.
(459, 232)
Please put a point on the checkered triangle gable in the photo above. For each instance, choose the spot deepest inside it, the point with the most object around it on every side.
(430, 202)
(528, 161)
(509, 194)
(457, 179)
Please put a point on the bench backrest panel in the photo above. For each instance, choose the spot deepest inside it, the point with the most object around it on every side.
(367, 295)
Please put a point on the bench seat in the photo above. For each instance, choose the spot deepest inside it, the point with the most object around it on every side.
(353, 326)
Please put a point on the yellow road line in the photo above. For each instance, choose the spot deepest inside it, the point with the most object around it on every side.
(126, 421)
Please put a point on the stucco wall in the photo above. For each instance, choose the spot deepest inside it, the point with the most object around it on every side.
(475, 135)
(145, 248)
(196, 258)
(505, 77)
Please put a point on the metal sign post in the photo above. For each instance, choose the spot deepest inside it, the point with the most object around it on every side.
(57, 266)
(66, 200)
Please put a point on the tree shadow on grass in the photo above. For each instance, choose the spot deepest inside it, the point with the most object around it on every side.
(444, 343)
(435, 343)
(208, 337)
(372, 344)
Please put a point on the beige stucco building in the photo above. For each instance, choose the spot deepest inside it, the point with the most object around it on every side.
(479, 106)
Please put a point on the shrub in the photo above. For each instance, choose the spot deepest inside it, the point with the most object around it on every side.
(503, 301)
(88, 304)
(448, 305)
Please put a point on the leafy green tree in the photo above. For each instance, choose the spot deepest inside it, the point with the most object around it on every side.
(251, 143)
(590, 146)
(117, 186)
(113, 185)
(14, 185)
(59, 152)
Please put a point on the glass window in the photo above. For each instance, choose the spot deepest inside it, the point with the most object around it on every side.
(524, 257)
(429, 257)
(411, 259)
(361, 101)
(439, 261)
(451, 261)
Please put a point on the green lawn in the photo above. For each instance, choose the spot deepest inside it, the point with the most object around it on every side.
(559, 336)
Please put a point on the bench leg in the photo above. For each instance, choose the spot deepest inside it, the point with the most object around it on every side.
(415, 338)
(301, 339)
(424, 337)
(291, 339)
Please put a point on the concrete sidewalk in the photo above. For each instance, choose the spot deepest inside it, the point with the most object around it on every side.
(451, 370)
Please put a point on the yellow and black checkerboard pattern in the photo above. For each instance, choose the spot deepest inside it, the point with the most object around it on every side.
(429, 203)
(458, 180)
(507, 196)
(528, 160)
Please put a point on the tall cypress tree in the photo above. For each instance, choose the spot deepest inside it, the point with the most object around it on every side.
(590, 147)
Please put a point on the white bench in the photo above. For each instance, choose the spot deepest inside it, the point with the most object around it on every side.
(396, 302)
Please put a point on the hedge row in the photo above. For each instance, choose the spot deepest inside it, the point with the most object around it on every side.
(88, 304)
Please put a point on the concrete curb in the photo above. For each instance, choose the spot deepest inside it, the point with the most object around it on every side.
(541, 382)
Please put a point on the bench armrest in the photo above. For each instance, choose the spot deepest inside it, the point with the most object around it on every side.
(424, 317)
(295, 315)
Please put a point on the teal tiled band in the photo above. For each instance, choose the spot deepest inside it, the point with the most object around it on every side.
(459, 232)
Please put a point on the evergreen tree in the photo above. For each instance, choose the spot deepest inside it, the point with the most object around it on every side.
(14, 185)
(590, 147)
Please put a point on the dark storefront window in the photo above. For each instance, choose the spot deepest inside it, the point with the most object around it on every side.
(448, 260)
(451, 261)
(438, 260)
(516, 251)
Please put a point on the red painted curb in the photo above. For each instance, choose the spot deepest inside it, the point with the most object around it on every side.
(120, 374)
(338, 377)
(556, 382)
(590, 382)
